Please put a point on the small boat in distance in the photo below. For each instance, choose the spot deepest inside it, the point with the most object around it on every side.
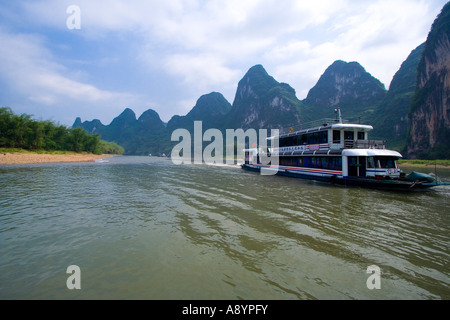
(341, 153)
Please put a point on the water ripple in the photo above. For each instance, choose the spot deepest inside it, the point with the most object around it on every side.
(168, 232)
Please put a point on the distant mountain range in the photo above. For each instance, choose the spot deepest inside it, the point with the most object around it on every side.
(413, 116)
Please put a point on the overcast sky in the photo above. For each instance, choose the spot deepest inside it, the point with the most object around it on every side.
(164, 55)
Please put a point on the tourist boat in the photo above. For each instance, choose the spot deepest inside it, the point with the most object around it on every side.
(335, 152)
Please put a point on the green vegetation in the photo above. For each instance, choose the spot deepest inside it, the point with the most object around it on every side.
(349, 86)
(110, 148)
(445, 163)
(22, 132)
(429, 99)
(41, 151)
(262, 102)
(390, 119)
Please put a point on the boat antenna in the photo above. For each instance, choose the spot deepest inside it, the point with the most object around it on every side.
(338, 114)
(435, 172)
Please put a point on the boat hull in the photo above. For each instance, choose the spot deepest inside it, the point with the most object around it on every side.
(385, 184)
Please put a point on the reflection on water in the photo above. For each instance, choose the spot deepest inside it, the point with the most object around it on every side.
(143, 228)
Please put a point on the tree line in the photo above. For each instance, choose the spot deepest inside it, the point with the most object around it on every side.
(21, 131)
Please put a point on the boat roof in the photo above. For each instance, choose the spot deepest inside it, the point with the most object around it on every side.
(371, 153)
(361, 127)
(339, 126)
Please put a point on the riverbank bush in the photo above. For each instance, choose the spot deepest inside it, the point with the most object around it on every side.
(445, 163)
(23, 132)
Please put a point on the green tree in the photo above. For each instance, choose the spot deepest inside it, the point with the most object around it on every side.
(5, 127)
(20, 131)
(76, 139)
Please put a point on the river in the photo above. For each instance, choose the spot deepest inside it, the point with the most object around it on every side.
(145, 228)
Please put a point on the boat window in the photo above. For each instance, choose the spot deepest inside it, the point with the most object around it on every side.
(336, 136)
(361, 136)
(299, 140)
(349, 135)
(386, 162)
(290, 161)
(307, 162)
(292, 141)
(324, 137)
(332, 163)
(289, 141)
(370, 162)
(314, 138)
(284, 142)
(304, 139)
(336, 163)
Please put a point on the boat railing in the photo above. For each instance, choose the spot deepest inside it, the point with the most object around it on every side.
(365, 144)
(309, 125)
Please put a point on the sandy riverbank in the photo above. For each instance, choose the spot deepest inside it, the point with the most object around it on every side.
(31, 158)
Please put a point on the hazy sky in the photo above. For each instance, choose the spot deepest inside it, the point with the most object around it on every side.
(164, 55)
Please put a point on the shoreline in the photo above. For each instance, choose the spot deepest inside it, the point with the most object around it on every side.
(12, 158)
(422, 165)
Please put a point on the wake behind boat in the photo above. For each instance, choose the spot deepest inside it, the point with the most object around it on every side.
(339, 153)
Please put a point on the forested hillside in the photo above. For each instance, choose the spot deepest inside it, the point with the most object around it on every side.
(23, 132)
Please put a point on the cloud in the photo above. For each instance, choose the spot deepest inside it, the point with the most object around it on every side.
(382, 36)
(196, 46)
(200, 70)
(378, 34)
(30, 70)
(28, 66)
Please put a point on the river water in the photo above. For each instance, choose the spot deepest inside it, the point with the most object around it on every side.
(144, 228)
